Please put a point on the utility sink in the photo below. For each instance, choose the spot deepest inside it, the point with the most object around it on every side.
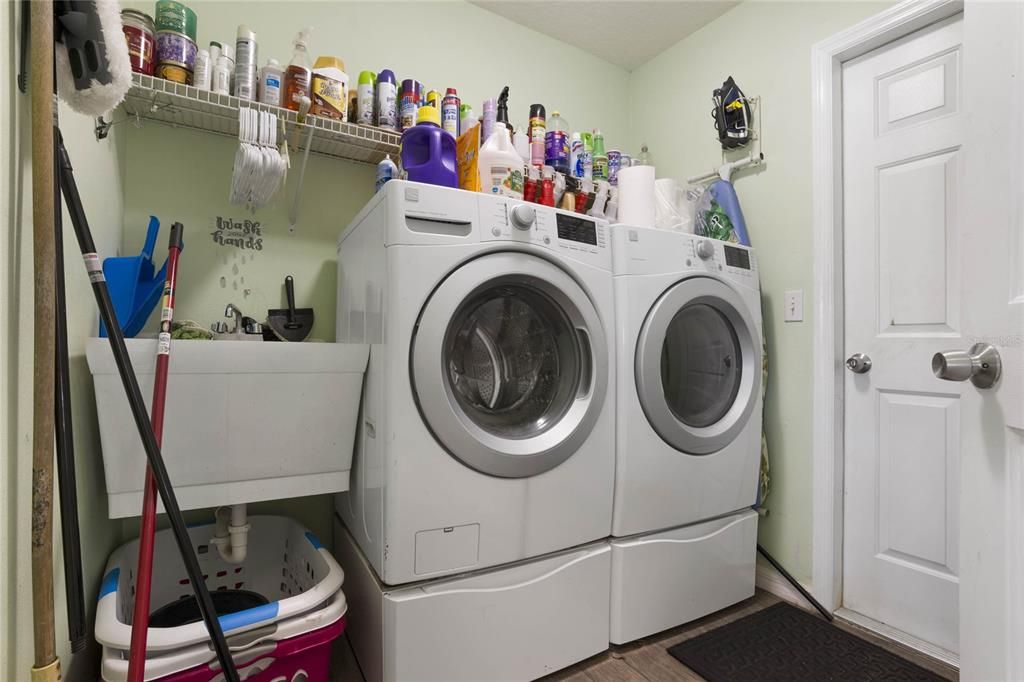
(244, 421)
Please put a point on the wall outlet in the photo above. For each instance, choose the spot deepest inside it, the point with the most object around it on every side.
(794, 306)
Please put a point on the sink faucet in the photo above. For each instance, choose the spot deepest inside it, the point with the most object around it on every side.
(232, 311)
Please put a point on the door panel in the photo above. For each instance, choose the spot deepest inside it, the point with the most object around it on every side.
(918, 461)
(903, 137)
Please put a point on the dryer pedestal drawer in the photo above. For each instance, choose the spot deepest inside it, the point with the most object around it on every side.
(518, 622)
(672, 577)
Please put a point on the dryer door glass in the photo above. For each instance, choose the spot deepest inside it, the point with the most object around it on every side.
(512, 360)
(697, 365)
(509, 364)
(701, 365)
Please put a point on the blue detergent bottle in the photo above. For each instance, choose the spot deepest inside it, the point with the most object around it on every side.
(428, 151)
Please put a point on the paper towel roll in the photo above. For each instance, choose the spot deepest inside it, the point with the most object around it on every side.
(636, 196)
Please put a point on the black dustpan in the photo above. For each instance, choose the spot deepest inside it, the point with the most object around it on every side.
(292, 324)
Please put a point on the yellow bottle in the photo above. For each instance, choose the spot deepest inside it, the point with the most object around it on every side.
(330, 89)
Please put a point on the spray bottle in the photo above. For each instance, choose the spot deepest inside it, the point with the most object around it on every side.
(387, 100)
(450, 112)
(600, 157)
(597, 210)
(576, 156)
(502, 115)
(588, 155)
(547, 194)
(298, 77)
(536, 130)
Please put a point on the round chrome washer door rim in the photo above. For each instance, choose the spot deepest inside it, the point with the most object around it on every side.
(650, 390)
(444, 417)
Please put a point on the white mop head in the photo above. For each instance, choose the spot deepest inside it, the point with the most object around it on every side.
(99, 97)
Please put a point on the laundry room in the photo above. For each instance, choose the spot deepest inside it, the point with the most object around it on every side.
(511, 340)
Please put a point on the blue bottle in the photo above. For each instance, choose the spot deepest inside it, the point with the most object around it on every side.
(428, 151)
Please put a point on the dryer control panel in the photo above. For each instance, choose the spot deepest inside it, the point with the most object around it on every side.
(564, 232)
(721, 257)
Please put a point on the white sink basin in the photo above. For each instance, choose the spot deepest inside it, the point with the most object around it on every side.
(244, 421)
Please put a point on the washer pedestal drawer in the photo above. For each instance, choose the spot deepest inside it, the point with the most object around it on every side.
(668, 578)
(517, 622)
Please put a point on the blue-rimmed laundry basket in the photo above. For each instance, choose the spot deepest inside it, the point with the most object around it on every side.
(285, 563)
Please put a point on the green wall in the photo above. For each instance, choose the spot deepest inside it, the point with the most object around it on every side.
(766, 47)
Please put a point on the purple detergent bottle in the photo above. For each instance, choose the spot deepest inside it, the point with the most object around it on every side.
(428, 151)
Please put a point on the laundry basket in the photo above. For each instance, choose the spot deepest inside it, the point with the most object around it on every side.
(286, 564)
(293, 650)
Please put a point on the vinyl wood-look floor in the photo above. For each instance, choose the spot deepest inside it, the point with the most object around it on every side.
(648, 660)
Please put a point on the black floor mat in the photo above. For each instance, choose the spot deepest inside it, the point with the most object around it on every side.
(784, 643)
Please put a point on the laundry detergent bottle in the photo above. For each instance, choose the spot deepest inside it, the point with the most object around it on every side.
(500, 166)
(428, 151)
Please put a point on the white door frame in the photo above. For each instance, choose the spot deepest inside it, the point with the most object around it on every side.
(828, 363)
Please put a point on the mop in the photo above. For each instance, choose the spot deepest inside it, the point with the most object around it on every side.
(144, 572)
(93, 85)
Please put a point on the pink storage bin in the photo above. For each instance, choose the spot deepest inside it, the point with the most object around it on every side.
(278, 656)
(306, 658)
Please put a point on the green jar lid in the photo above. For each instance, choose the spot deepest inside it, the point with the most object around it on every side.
(172, 15)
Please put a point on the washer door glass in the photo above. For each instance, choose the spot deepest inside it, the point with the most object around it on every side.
(513, 360)
(701, 365)
(509, 364)
(698, 360)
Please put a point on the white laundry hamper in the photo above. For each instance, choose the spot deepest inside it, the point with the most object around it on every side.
(285, 563)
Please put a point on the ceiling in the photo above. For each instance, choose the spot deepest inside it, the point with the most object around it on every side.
(624, 32)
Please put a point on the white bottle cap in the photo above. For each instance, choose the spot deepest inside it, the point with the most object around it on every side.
(245, 33)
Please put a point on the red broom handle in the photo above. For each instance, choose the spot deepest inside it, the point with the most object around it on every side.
(144, 572)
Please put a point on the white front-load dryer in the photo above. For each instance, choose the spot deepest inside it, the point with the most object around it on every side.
(688, 437)
(487, 429)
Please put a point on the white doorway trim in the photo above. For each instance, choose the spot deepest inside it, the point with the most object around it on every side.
(827, 58)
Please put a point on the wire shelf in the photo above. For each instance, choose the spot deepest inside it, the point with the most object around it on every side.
(156, 99)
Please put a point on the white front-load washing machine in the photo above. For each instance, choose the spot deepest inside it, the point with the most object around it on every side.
(688, 438)
(487, 433)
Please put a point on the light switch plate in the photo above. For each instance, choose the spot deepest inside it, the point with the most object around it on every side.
(794, 306)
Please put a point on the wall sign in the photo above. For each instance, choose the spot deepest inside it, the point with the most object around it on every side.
(240, 234)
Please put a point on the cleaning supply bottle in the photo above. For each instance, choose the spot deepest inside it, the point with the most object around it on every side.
(364, 98)
(502, 115)
(556, 144)
(576, 156)
(428, 152)
(597, 209)
(490, 117)
(245, 64)
(500, 166)
(450, 120)
(271, 79)
(386, 171)
(330, 89)
(530, 191)
(412, 91)
(387, 100)
(611, 209)
(299, 74)
(568, 201)
(466, 118)
(600, 157)
(588, 155)
(547, 194)
(536, 130)
(521, 141)
(645, 156)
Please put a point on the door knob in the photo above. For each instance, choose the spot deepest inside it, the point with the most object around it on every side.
(981, 364)
(858, 363)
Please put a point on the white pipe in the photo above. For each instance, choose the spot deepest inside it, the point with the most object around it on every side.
(726, 170)
(231, 537)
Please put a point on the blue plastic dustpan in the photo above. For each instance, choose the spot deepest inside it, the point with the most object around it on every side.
(134, 288)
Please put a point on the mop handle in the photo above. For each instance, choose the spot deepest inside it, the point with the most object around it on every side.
(138, 408)
(144, 572)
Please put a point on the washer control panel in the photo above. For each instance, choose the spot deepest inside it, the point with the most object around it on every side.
(571, 234)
